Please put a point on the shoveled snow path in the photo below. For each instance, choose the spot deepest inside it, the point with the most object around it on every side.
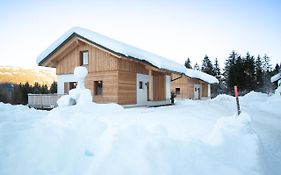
(267, 127)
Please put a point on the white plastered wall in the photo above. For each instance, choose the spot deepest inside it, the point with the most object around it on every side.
(62, 79)
(168, 87)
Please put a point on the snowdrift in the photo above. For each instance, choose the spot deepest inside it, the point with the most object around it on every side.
(88, 139)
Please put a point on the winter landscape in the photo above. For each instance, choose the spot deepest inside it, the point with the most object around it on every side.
(140, 87)
(178, 139)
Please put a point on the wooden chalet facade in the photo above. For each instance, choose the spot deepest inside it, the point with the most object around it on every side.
(113, 76)
(189, 88)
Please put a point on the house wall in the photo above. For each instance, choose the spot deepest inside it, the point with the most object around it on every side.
(159, 86)
(98, 60)
(204, 87)
(186, 85)
(117, 74)
(110, 86)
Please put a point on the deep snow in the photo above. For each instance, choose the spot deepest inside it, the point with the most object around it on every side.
(192, 137)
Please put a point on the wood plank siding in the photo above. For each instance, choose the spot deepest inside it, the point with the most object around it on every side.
(186, 86)
(117, 73)
(110, 86)
(159, 86)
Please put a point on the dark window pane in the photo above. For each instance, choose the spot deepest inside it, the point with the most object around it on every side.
(98, 87)
(178, 91)
(140, 85)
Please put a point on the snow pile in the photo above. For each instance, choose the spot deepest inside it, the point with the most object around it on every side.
(278, 91)
(106, 139)
(201, 75)
(275, 77)
(272, 105)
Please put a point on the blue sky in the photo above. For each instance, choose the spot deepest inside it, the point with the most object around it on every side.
(174, 29)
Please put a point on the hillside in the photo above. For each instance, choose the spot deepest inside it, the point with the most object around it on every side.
(11, 74)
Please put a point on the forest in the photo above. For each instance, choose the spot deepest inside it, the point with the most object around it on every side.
(18, 93)
(248, 72)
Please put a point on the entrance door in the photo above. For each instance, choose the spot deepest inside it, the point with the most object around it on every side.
(142, 89)
(196, 91)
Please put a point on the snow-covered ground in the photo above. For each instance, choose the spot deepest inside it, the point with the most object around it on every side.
(191, 137)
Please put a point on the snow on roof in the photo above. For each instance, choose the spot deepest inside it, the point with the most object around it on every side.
(116, 46)
(127, 50)
(201, 75)
(276, 77)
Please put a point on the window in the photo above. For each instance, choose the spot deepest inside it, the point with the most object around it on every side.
(98, 87)
(72, 85)
(140, 85)
(178, 91)
(68, 86)
(84, 58)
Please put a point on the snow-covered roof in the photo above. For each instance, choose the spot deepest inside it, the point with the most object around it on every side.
(116, 46)
(126, 50)
(201, 75)
(276, 77)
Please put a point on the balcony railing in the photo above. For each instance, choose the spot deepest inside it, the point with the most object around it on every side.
(43, 101)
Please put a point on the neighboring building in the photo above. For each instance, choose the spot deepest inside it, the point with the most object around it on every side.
(277, 78)
(118, 72)
(193, 84)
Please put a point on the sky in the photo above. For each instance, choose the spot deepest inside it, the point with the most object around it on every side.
(174, 29)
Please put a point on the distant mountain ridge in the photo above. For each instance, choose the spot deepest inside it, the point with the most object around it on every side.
(17, 75)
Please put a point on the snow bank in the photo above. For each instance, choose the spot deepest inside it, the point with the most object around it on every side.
(275, 77)
(272, 105)
(103, 139)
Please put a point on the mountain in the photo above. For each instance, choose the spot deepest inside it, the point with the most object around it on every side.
(11, 74)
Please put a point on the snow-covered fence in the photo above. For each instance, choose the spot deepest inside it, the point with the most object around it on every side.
(43, 101)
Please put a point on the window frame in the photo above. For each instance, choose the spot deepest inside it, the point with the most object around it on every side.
(82, 58)
(98, 88)
(140, 84)
(178, 91)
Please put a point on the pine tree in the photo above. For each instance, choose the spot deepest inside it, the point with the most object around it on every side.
(268, 86)
(217, 88)
(259, 75)
(229, 72)
(53, 88)
(249, 82)
(207, 66)
(196, 66)
(217, 70)
(187, 64)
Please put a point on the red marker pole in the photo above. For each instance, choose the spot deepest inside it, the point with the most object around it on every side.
(237, 99)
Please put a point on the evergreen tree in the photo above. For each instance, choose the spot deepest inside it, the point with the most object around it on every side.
(259, 74)
(229, 72)
(207, 66)
(217, 70)
(268, 86)
(187, 64)
(217, 88)
(196, 66)
(53, 88)
(248, 67)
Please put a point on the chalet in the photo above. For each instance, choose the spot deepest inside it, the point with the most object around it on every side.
(118, 72)
(193, 84)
